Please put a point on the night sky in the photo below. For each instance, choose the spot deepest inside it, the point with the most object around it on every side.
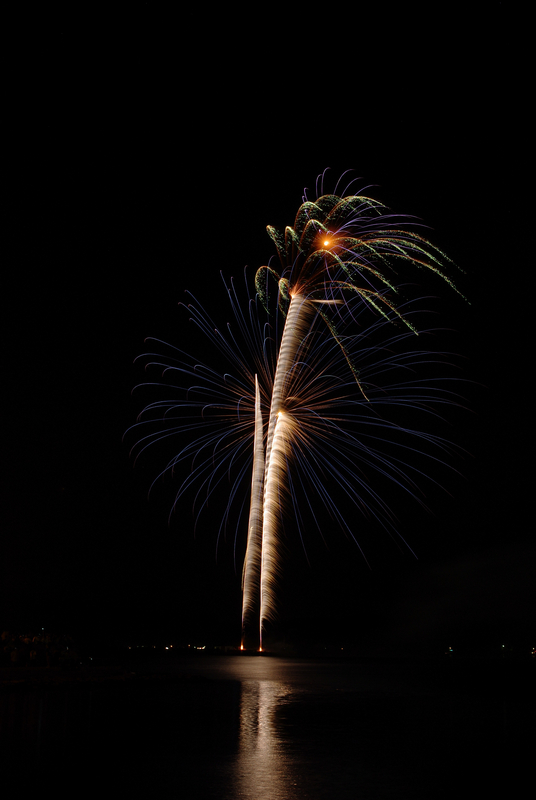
(145, 156)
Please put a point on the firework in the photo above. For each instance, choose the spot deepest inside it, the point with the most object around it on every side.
(311, 411)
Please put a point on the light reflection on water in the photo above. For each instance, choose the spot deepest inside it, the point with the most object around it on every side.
(261, 765)
(261, 768)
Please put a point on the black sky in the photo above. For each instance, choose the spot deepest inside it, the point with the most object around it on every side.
(145, 156)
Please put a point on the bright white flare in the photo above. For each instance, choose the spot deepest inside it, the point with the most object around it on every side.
(299, 316)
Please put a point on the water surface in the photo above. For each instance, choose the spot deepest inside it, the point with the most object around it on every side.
(277, 729)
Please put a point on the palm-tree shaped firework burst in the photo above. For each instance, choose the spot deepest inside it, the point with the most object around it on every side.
(316, 404)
